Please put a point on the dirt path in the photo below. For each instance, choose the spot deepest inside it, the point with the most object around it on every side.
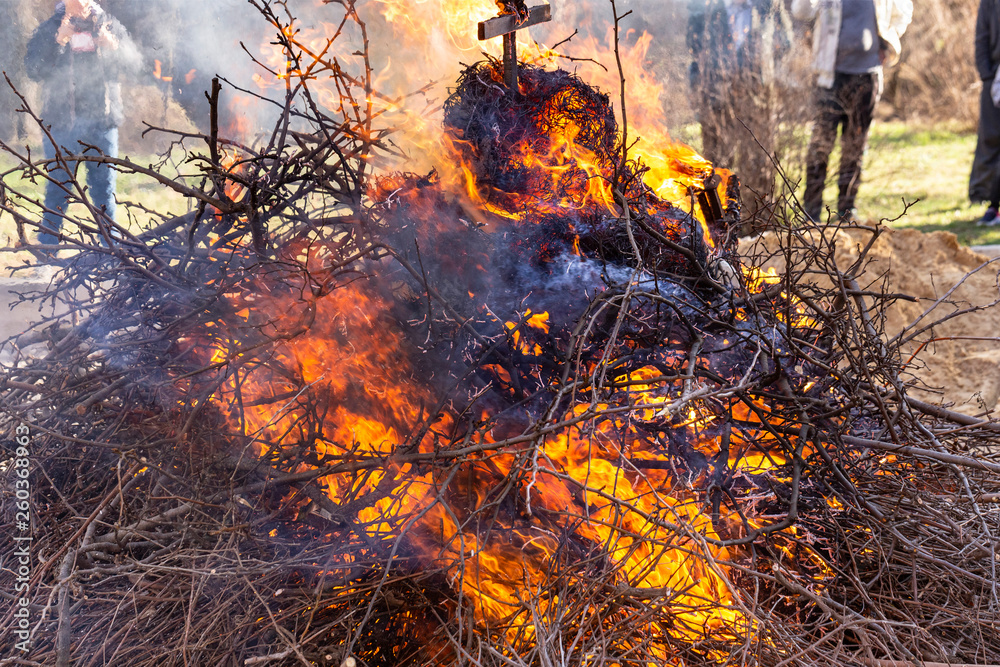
(16, 315)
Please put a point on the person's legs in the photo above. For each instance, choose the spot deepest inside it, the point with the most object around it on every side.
(859, 95)
(829, 116)
(56, 187)
(984, 182)
(101, 178)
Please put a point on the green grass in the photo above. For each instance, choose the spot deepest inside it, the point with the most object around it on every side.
(927, 168)
(917, 177)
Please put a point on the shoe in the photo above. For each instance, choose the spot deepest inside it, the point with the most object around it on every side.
(847, 214)
(989, 218)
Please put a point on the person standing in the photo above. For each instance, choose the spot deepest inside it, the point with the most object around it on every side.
(737, 49)
(984, 182)
(852, 40)
(79, 56)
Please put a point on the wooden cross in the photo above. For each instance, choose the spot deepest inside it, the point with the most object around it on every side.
(507, 25)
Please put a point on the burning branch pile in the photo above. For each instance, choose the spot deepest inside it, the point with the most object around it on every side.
(523, 410)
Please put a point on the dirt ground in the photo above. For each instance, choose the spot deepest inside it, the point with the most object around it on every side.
(960, 364)
(15, 314)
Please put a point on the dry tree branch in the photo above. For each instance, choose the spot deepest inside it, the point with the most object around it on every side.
(335, 449)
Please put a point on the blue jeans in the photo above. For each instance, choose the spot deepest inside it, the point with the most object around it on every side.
(101, 178)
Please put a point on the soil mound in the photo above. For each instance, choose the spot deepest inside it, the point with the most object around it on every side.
(957, 361)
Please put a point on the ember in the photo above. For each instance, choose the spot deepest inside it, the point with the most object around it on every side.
(526, 409)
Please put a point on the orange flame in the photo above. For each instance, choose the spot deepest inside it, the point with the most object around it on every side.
(592, 479)
(158, 72)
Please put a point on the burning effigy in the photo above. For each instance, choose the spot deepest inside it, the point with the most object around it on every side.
(528, 408)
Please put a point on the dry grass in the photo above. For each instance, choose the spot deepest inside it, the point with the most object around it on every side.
(936, 78)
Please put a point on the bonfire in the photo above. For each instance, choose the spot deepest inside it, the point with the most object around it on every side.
(527, 408)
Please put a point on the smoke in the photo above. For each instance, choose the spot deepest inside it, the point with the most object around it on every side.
(413, 46)
(185, 43)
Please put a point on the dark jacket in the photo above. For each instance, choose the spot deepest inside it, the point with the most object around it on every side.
(81, 85)
(988, 39)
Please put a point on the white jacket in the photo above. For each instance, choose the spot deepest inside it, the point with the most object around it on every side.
(892, 17)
